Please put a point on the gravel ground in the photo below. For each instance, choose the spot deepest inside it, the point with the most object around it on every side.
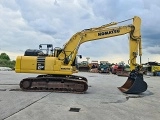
(102, 101)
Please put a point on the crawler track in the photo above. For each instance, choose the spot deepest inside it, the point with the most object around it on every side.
(56, 83)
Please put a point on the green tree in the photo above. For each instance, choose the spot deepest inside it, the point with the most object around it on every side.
(4, 56)
(5, 61)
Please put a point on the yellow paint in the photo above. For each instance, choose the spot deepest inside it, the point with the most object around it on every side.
(155, 68)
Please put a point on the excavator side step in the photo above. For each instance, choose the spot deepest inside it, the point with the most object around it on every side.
(55, 83)
(134, 84)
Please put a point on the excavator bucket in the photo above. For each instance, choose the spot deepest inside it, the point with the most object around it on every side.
(134, 84)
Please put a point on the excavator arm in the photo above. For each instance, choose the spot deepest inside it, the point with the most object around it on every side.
(106, 31)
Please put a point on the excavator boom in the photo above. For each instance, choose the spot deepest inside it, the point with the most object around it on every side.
(57, 68)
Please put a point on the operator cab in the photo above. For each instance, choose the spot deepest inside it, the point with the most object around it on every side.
(47, 49)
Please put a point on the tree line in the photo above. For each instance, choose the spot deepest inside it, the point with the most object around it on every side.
(5, 61)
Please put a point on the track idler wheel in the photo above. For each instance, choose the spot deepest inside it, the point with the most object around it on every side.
(134, 84)
(25, 84)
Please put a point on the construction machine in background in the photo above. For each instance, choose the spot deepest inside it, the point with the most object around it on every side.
(94, 66)
(104, 67)
(123, 71)
(151, 68)
(116, 68)
(120, 70)
(55, 69)
(83, 66)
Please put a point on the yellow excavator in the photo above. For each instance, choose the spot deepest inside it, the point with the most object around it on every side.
(56, 66)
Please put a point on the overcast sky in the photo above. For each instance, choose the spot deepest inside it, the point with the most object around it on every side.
(25, 24)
